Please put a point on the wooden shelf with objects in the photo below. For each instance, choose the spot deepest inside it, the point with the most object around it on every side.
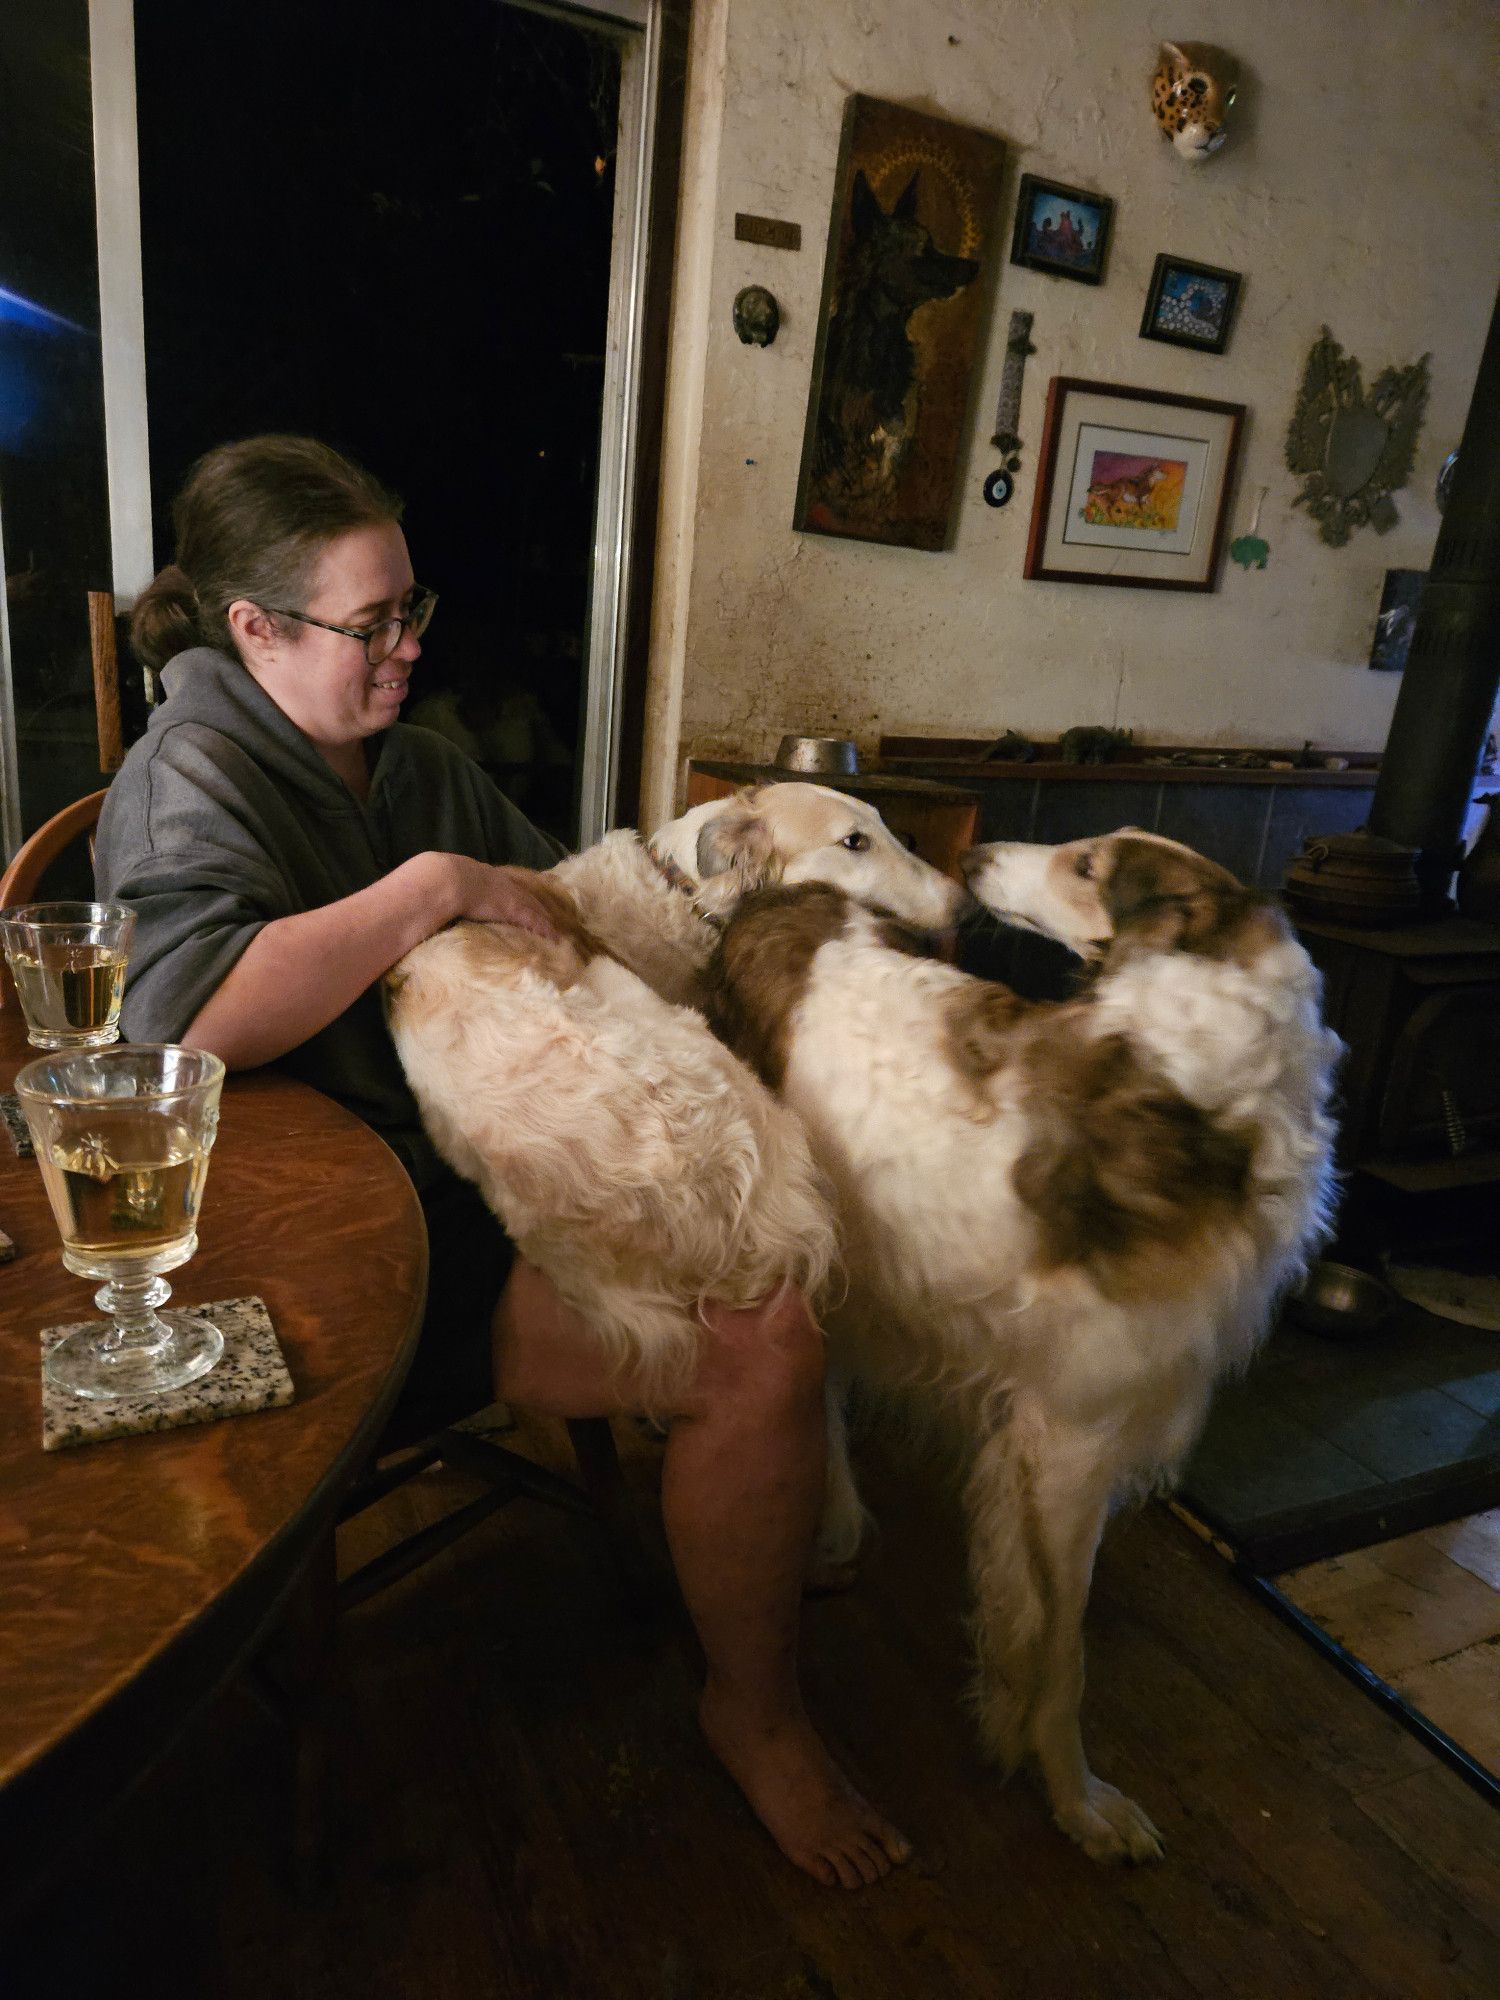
(1249, 809)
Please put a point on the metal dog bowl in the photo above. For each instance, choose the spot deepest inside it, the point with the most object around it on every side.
(834, 755)
(1339, 1300)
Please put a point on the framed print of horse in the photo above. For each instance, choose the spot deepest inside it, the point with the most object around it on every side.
(911, 241)
(1133, 486)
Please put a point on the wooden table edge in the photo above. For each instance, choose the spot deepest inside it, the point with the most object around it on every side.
(94, 1767)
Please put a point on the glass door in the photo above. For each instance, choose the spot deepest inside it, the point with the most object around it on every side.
(61, 344)
(505, 404)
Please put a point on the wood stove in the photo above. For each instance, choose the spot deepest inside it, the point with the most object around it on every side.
(1419, 1008)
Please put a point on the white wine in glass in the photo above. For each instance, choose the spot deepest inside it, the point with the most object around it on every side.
(68, 962)
(122, 1136)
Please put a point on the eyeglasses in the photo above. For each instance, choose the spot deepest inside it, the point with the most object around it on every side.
(381, 640)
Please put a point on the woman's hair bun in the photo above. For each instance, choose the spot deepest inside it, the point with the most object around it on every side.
(165, 619)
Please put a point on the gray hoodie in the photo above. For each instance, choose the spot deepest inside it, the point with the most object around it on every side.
(224, 816)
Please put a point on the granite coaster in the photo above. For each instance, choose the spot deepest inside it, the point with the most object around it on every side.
(251, 1374)
(14, 1121)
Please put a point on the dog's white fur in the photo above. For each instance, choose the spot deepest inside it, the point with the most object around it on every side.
(1069, 1380)
(630, 1155)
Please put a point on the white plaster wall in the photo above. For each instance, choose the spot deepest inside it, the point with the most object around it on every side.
(1358, 188)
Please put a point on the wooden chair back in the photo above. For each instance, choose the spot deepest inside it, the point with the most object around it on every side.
(35, 856)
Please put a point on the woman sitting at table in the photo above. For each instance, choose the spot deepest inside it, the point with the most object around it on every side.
(283, 840)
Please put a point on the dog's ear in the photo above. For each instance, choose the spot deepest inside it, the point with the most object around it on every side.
(864, 207)
(1158, 900)
(906, 202)
(736, 854)
(1146, 894)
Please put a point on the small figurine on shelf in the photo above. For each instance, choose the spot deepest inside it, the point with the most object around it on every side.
(1011, 748)
(1084, 745)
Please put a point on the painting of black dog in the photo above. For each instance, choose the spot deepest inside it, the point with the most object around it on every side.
(913, 215)
(868, 409)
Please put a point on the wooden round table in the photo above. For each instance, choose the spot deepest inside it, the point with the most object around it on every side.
(137, 1575)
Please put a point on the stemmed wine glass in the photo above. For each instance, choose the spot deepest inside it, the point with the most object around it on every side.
(122, 1136)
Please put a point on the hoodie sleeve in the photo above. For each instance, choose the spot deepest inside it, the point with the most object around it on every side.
(177, 841)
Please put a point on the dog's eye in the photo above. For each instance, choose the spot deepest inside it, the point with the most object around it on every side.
(1084, 866)
(855, 842)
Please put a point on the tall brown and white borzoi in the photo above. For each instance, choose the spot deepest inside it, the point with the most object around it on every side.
(1061, 1222)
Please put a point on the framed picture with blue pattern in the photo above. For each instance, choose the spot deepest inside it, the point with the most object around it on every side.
(1190, 305)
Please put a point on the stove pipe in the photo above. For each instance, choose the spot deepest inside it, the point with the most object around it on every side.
(1453, 669)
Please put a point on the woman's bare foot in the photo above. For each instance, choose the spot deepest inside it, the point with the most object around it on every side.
(800, 1795)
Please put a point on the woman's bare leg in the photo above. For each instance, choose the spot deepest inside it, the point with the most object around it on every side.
(742, 1488)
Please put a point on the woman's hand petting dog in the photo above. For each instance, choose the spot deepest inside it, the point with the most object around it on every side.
(489, 895)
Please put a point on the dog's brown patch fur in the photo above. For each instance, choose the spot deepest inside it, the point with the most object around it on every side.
(506, 947)
(762, 968)
(1122, 1173)
(1160, 899)
(979, 1028)
(906, 938)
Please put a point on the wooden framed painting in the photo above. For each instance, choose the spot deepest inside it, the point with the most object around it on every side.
(1190, 305)
(1133, 486)
(910, 244)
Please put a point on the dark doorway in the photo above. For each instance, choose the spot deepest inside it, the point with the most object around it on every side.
(390, 226)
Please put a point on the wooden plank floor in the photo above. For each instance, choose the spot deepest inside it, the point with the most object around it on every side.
(524, 1810)
(1423, 1612)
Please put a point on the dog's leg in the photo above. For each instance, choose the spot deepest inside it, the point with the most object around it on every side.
(1039, 1498)
(1107, 1825)
(1007, 1585)
(841, 1531)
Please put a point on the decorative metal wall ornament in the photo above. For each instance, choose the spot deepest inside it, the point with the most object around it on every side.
(1353, 447)
(1001, 483)
(756, 316)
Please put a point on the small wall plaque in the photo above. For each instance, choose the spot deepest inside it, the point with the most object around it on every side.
(765, 229)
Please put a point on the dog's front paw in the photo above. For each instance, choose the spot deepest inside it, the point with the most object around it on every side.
(1108, 1826)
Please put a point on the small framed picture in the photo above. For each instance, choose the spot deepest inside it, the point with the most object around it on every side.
(1191, 305)
(1061, 229)
(1399, 603)
(1133, 486)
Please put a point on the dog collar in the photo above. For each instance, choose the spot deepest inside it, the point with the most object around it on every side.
(680, 880)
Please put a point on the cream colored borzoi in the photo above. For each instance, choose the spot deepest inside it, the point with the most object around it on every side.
(631, 1156)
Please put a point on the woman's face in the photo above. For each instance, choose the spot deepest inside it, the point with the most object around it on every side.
(320, 679)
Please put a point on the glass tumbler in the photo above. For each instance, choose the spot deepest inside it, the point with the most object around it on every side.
(122, 1136)
(68, 963)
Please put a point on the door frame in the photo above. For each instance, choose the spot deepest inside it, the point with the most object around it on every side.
(653, 38)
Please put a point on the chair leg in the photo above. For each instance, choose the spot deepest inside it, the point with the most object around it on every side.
(599, 1462)
(310, 1634)
(599, 1465)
